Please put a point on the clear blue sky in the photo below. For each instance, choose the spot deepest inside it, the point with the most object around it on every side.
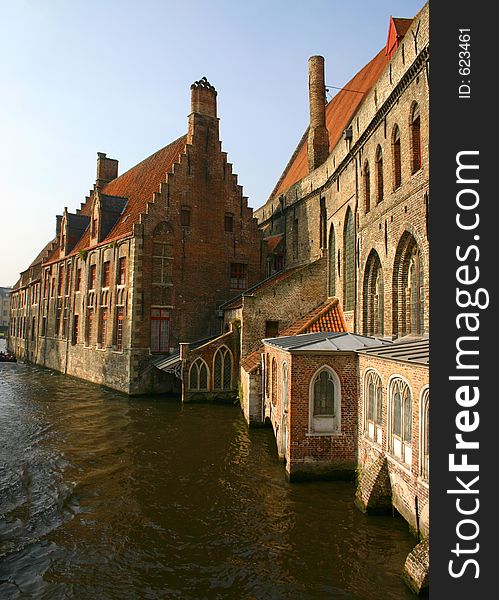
(85, 76)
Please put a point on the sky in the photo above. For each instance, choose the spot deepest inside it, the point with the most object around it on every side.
(85, 76)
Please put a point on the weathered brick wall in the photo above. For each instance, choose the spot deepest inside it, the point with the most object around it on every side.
(407, 481)
(296, 213)
(308, 454)
(284, 302)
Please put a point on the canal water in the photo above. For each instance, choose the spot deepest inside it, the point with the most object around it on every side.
(102, 496)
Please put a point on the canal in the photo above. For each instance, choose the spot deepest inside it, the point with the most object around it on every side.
(106, 497)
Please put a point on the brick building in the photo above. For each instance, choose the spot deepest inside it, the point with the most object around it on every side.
(4, 309)
(143, 264)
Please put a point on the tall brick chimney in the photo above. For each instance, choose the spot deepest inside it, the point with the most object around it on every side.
(318, 137)
(107, 170)
(203, 107)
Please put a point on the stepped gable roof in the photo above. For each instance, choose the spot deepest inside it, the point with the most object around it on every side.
(339, 112)
(137, 185)
(326, 317)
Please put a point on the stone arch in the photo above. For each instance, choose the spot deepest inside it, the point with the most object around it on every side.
(199, 376)
(222, 369)
(373, 296)
(332, 261)
(408, 288)
(349, 261)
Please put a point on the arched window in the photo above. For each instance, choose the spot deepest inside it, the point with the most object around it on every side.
(348, 262)
(397, 164)
(424, 451)
(379, 174)
(400, 430)
(324, 402)
(284, 387)
(332, 262)
(367, 187)
(267, 375)
(222, 369)
(373, 406)
(373, 296)
(274, 382)
(408, 288)
(416, 139)
(198, 376)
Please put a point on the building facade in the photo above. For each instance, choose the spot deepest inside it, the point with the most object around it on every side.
(143, 264)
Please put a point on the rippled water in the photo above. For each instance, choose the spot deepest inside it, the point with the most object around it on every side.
(106, 497)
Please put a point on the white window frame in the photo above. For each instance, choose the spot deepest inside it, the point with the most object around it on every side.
(372, 429)
(396, 445)
(324, 425)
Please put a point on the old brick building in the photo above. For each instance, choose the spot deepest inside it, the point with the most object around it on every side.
(143, 264)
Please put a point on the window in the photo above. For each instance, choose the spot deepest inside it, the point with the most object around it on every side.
(367, 187)
(103, 326)
(44, 326)
(278, 263)
(91, 277)
(332, 262)
(122, 270)
(379, 175)
(348, 262)
(185, 217)
(417, 162)
(373, 296)
(198, 376)
(160, 330)
(400, 432)
(397, 164)
(229, 223)
(90, 326)
(424, 437)
(408, 287)
(106, 274)
(373, 406)
(222, 369)
(238, 276)
(60, 282)
(271, 329)
(284, 387)
(33, 328)
(273, 391)
(324, 404)
(295, 239)
(120, 314)
(74, 337)
(78, 280)
(162, 254)
(323, 223)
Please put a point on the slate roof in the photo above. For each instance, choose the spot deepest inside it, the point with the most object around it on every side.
(326, 341)
(410, 351)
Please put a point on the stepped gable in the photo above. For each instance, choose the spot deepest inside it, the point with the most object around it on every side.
(339, 112)
(328, 316)
(137, 185)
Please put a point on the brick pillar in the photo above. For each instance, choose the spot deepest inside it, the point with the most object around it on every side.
(318, 136)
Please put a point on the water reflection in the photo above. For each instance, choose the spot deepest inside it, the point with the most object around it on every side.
(106, 497)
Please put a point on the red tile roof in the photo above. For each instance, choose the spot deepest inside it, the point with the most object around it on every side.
(339, 112)
(326, 317)
(138, 185)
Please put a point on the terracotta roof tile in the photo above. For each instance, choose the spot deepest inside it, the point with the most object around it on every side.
(339, 112)
(326, 317)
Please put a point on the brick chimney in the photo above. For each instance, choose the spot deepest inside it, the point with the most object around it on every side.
(203, 107)
(318, 136)
(107, 170)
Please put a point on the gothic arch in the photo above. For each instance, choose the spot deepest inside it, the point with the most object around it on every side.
(408, 288)
(332, 261)
(373, 296)
(349, 261)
